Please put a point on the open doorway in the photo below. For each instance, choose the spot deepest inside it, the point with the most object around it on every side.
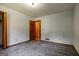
(3, 29)
(0, 30)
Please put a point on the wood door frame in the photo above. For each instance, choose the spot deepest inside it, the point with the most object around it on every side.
(4, 29)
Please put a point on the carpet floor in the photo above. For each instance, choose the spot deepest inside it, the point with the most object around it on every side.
(39, 48)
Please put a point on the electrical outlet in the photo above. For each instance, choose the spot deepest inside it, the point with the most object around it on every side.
(47, 39)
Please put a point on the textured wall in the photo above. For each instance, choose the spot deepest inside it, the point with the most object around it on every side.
(76, 27)
(58, 27)
(17, 26)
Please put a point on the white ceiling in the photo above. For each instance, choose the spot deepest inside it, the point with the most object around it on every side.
(41, 9)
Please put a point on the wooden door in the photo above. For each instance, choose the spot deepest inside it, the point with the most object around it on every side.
(35, 30)
(32, 30)
(38, 30)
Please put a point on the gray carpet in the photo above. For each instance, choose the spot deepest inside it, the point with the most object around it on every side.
(39, 48)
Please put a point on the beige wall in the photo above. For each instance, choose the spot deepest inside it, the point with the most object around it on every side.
(58, 27)
(76, 27)
(17, 26)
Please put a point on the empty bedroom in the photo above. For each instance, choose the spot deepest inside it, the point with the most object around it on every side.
(39, 29)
